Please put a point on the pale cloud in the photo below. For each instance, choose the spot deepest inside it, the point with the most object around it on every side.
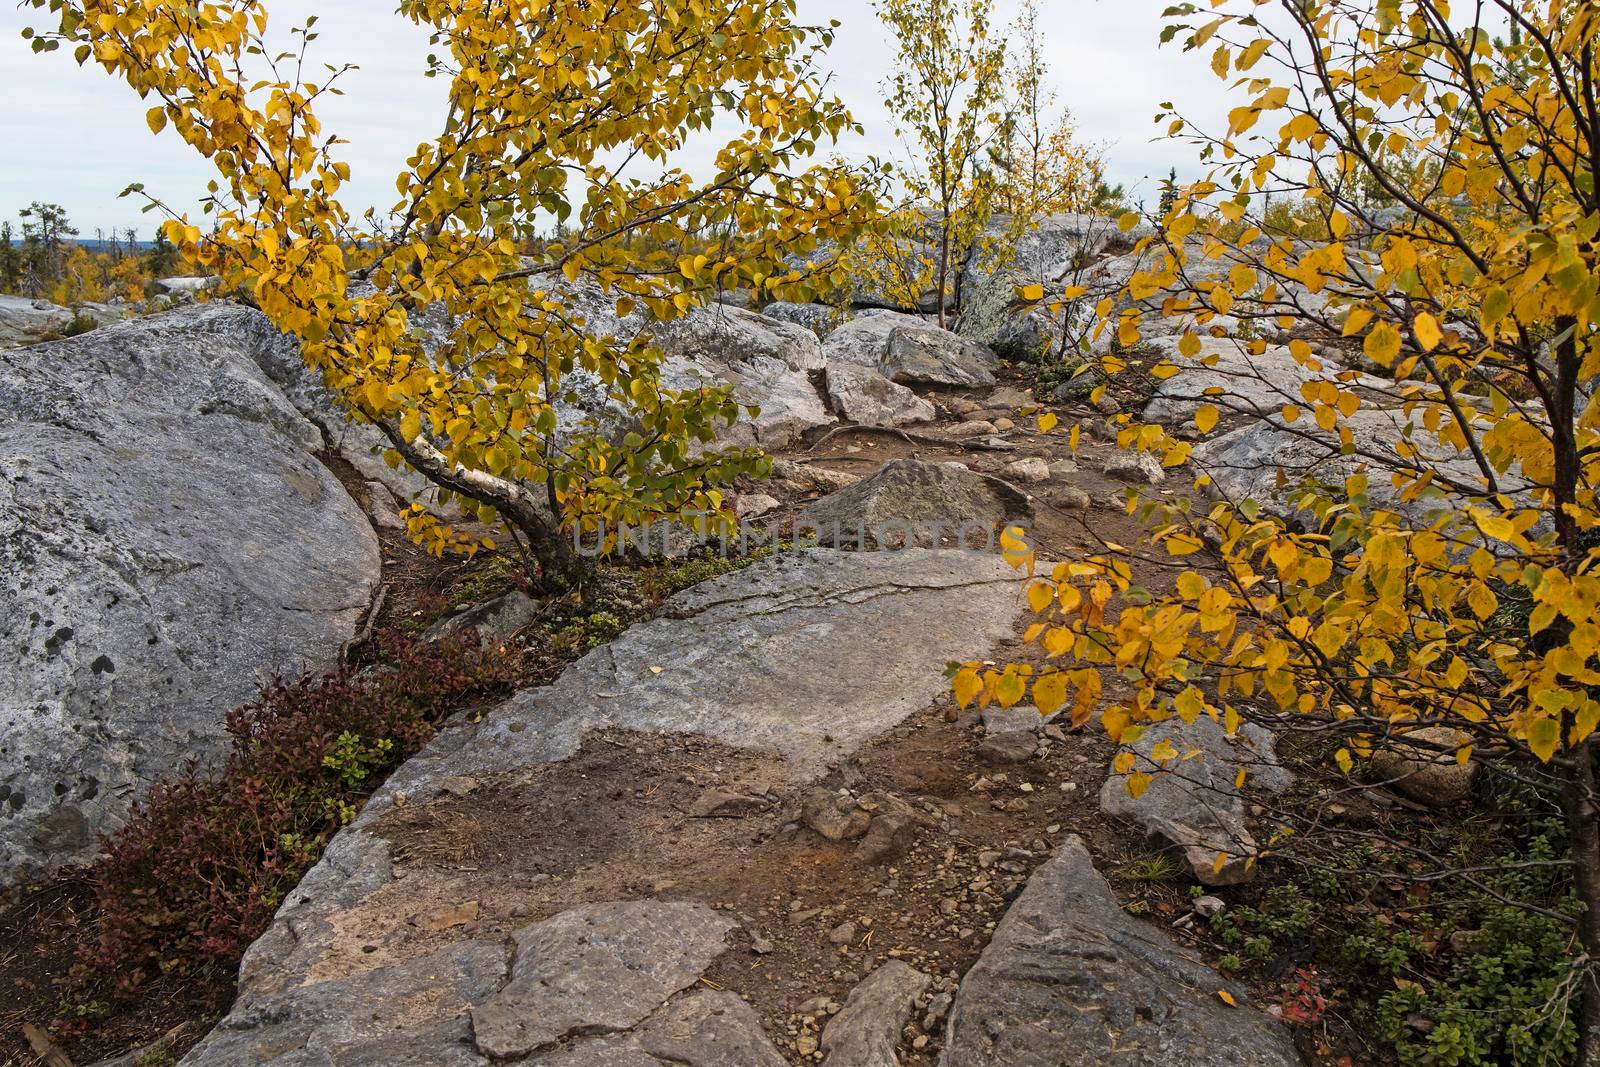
(75, 136)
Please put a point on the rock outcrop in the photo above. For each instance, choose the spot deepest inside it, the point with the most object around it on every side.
(168, 540)
(1071, 980)
(911, 350)
(24, 321)
(820, 319)
(342, 976)
(1268, 459)
(1054, 253)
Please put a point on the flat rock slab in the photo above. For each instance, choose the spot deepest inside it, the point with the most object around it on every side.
(597, 969)
(806, 656)
(705, 1029)
(1071, 980)
(168, 541)
(410, 1013)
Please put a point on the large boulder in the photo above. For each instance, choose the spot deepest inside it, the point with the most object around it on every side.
(1193, 803)
(768, 362)
(864, 396)
(911, 350)
(24, 321)
(168, 540)
(358, 443)
(1054, 252)
(910, 501)
(1072, 980)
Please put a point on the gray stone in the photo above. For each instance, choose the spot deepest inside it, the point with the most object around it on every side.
(703, 1029)
(1031, 469)
(909, 349)
(885, 623)
(1054, 252)
(866, 1031)
(383, 509)
(833, 817)
(1192, 804)
(1008, 748)
(820, 319)
(972, 428)
(412, 1012)
(850, 644)
(808, 478)
(1138, 468)
(1071, 980)
(24, 321)
(1237, 382)
(754, 505)
(887, 838)
(864, 340)
(168, 541)
(493, 622)
(938, 357)
(358, 443)
(864, 396)
(597, 968)
(767, 362)
(910, 501)
(1020, 718)
(1070, 496)
(189, 285)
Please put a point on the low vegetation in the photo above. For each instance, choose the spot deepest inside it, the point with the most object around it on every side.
(205, 859)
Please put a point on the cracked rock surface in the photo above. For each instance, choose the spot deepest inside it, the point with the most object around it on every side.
(805, 656)
(168, 540)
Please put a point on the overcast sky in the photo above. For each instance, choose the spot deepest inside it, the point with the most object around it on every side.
(75, 137)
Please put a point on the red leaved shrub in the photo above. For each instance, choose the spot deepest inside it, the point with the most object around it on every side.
(206, 858)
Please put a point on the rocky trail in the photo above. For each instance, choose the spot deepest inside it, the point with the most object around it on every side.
(757, 829)
(754, 829)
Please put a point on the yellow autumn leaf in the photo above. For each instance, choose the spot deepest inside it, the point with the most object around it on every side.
(1426, 327)
(1206, 416)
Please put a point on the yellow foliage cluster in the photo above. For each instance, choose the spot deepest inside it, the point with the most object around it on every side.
(1465, 601)
(544, 97)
